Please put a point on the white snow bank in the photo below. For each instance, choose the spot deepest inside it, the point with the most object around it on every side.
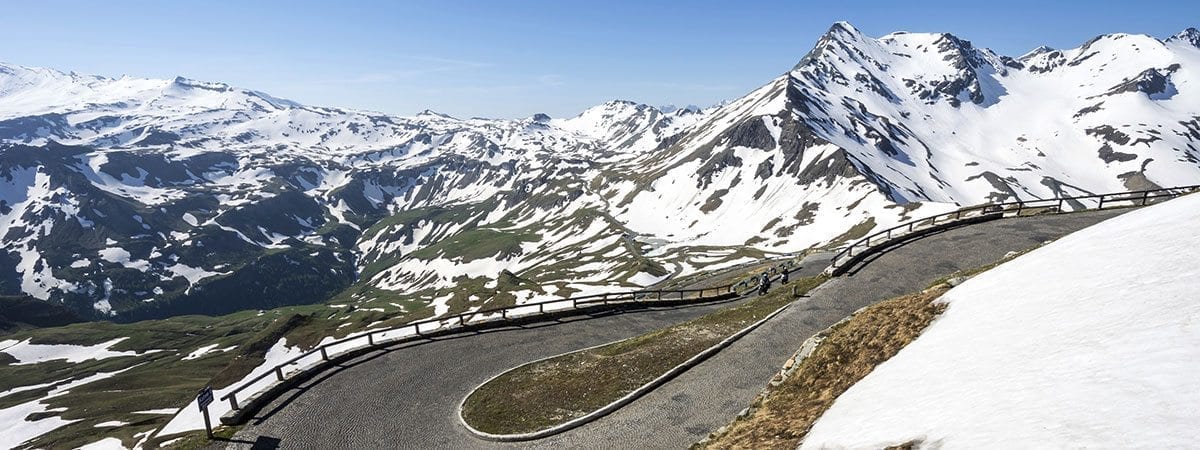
(108, 443)
(192, 274)
(189, 417)
(121, 256)
(16, 429)
(1090, 342)
(200, 352)
(27, 353)
(160, 411)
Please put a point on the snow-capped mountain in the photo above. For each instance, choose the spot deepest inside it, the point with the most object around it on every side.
(936, 118)
(133, 198)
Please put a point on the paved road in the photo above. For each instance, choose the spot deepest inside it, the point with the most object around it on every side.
(407, 396)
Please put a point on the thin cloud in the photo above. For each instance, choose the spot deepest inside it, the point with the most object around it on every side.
(538, 82)
(551, 80)
(421, 65)
(697, 87)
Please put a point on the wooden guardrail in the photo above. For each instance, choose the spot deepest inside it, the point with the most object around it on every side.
(845, 258)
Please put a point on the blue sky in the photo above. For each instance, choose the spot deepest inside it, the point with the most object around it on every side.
(515, 58)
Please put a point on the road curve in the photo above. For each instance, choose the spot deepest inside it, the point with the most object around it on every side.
(407, 395)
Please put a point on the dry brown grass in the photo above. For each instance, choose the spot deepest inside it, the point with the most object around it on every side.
(850, 350)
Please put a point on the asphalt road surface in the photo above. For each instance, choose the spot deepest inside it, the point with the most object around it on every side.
(407, 395)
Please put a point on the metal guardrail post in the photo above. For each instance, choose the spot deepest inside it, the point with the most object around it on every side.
(324, 353)
(1101, 206)
(370, 340)
(1145, 195)
(233, 400)
(279, 372)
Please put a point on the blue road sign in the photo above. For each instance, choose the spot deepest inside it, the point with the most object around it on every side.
(205, 397)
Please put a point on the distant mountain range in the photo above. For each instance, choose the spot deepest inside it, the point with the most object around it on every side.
(138, 198)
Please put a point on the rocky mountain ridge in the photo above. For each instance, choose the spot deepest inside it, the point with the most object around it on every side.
(135, 198)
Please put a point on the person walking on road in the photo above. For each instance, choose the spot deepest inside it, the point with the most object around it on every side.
(764, 285)
(783, 276)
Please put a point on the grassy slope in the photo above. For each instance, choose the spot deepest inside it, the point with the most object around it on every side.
(161, 379)
(849, 351)
(847, 354)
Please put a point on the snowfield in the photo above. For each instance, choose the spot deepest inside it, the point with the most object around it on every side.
(862, 134)
(28, 353)
(1092, 341)
(183, 192)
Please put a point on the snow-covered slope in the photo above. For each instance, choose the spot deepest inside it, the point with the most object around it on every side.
(1089, 342)
(135, 198)
(934, 117)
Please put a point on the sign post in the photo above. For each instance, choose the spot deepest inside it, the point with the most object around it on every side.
(204, 398)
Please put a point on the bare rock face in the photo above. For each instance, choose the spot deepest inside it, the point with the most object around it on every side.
(131, 198)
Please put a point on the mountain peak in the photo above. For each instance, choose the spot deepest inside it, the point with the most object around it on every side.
(432, 113)
(1190, 36)
(843, 26)
(841, 32)
(668, 109)
(1037, 51)
(206, 85)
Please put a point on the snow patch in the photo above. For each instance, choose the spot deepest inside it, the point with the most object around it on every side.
(1051, 350)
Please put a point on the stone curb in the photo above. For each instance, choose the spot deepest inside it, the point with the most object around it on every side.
(254, 402)
(617, 404)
